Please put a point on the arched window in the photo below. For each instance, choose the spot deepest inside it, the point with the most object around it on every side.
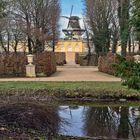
(77, 49)
(70, 48)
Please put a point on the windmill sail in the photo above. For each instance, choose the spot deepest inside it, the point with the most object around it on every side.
(73, 30)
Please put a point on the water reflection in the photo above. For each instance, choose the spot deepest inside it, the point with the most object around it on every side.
(73, 115)
(107, 122)
(100, 121)
(123, 128)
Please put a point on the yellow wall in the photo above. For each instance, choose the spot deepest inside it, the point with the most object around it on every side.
(70, 46)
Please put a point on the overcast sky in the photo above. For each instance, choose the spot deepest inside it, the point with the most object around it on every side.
(66, 9)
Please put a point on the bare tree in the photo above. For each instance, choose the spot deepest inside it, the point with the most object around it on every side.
(54, 23)
(103, 22)
(88, 42)
(34, 22)
(3, 23)
(114, 26)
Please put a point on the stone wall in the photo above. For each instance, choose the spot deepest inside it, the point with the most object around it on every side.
(82, 60)
(14, 65)
(60, 58)
(105, 63)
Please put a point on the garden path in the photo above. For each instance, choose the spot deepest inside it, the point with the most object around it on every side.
(71, 72)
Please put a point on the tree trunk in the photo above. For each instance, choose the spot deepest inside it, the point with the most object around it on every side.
(123, 51)
(8, 41)
(123, 14)
(129, 44)
(53, 44)
(39, 47)
(2, 44)
(88, 45)
(28, 33)
(29, 45)
(16, 43)
(114, 47)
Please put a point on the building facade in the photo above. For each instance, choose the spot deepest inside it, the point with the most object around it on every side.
(72, 43)
(70, 46)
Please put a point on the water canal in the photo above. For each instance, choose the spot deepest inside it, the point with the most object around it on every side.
(105, 122)
(110, 121)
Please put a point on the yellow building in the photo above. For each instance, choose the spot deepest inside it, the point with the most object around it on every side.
(70, 46)
(73, 42)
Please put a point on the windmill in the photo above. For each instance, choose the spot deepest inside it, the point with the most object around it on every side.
(73, 30)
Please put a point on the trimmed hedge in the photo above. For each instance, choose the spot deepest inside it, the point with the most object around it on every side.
(81, 59)
(60, 58)
(14, 64)
(105, 63)
(45, 63)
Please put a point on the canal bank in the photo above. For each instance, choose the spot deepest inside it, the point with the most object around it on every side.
(86, 91)
(44, 121)
(72, 110)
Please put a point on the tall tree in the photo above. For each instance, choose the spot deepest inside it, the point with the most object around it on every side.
(54, 20)
(136, 19)
(38, 20)
(99, 14)
(3, 23)
(23, 13)
(123, 14)
(114, 26)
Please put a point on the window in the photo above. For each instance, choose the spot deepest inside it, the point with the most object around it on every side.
(77, 49)
(69, 48)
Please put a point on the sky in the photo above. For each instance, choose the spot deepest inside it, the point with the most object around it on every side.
(67, 4)
(66, 10)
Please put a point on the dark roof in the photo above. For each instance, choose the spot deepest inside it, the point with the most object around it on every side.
(74, 22)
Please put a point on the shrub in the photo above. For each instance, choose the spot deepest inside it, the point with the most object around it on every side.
(128, 71)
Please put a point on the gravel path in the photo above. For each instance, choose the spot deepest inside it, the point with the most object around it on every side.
(71, 73)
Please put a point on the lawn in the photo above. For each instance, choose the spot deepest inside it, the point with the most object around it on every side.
(72, 89)
(98, 90)
(65, 85)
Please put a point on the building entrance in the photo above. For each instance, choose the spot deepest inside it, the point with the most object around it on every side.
(70, 57)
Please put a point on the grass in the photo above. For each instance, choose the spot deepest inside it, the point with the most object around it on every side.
(114, 86)
(103, 90)
(64, 85)
(94, 88)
